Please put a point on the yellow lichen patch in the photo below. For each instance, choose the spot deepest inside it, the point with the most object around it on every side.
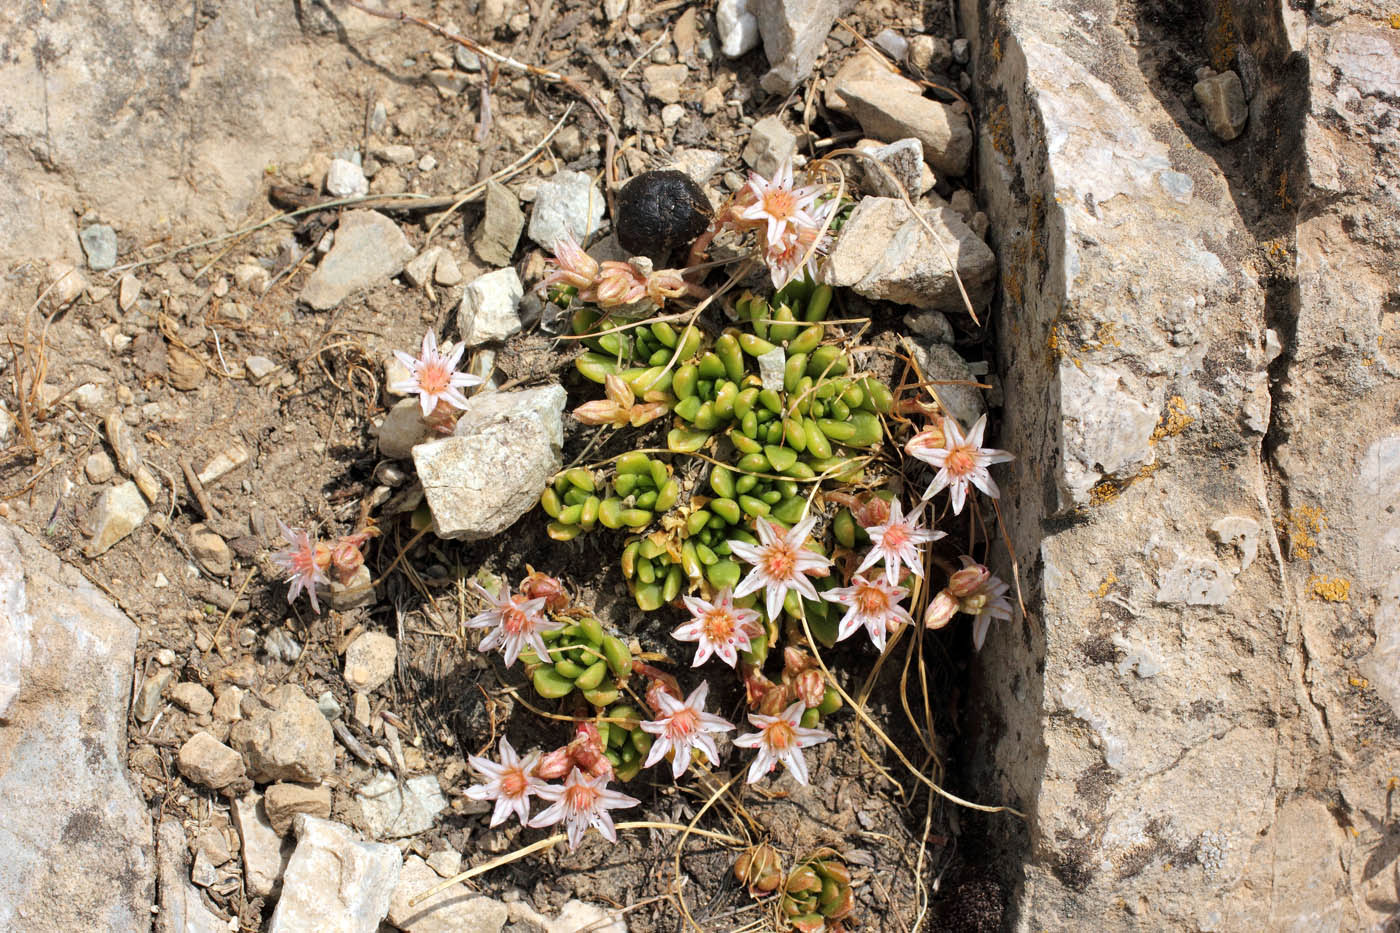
(1300, 527)
(1108, 581)
(1175, 421)
(1361, 683)
(1330, 589)
(1224, 39)
(1395, 20)
(1000, 126)
(1104, 492)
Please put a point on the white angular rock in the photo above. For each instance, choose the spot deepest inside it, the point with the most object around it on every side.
(419, 269)
(455, 910)
(904, 159)
(506, 447)
(403, 428)
(490, 308)
(118, 512)
(369, 250)
(883, 252)
(205, 760)
(100, 244)
(391, 810)
(794, 32)
(737, 27)
(265, 853)
(192, 698)
(335, 883)
(345, 179)
(292, 741)
(770, 145)
(699, 164)
(181, 908)
(1221, 96)
(889, 112)
(369, 661)
(1107, 429)
(570, 201)
(78, 850)
(940, 362)
(498, 234)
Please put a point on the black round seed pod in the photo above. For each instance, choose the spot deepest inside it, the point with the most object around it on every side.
(660, 212)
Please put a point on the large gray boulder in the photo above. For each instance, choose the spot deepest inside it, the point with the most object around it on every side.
(78, 850)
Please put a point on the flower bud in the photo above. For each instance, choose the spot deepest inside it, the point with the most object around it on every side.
(554, 765)
(810, 687)
(930, 438)
(539, 584)
(968, 580)
(941, 610)
(973, 604)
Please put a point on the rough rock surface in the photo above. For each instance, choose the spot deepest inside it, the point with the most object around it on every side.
(335, 883)
(885, 253)
(265, 853)
(1189, 717)
(392, 811)
(793, 32)
(889, 113)
(456, 910)
(570, 202)
(76, 836)
(181, 909)
(292, 741)
(505, 449)
(369, 249)
(490, 308)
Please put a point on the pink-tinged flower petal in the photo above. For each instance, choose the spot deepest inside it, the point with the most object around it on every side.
(514, 622)
(298, 561)
(433, 376)
(683, 726)
(962, 460)
(873, 605)
(510, 783)
(896, 541)
(781, 739)
(581, 802)
(718, 628)
(781, 563)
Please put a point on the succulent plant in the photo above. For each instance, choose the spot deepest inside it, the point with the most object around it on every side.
(817, 895)
(760, 868)
(627, 745)
(582, 657)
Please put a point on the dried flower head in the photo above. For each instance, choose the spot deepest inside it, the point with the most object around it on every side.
(582, 802)
(985, 601)
(572, 266)
(514, 622)
(780, 739)
(719, 628)
(304, 562)
(781, 563)
(621, 407)
(961, 460)
(433, 376)
(510, 783)
(684, 725)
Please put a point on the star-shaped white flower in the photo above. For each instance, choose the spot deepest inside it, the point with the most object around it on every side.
(510, 783)
(582, 802)
(433, 376)
(514, 622)
(799, 248)
(781, 563)
(778, 203)
(896, 541)
(961, 460)
(299, 561)
(781, 739)
(684, 725)
(719, 627)
(873, 604)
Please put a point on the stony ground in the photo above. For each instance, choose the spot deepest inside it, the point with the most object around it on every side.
(1183, 266)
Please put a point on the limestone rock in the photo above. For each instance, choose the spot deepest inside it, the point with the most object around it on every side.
(498, 234)
(938, 361)
(665, 83)
(335, 883)
(403, 428)
(265, 853)
(369, 250)
(888, 113)
(456, 910)
(283, 801)
(490, 309)
(79, 845)
(345, 179)
(392, 810)
(181, 908)
(1221, 96)
(864, 65)
(904, 159)
(192, 697)
(100, 244)
(883, 252)
(793, 32)
(570, 201)
(292, 741)
(205, 760)
(505, 449)
(369, 661)
(118, 512)
(737, 27)
(770, 145)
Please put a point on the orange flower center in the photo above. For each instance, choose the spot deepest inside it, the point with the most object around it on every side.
(514, 621)
(779, 203)
(434, 378)
(580, 797)
(682, 724)
(513, 782)
(780, 735)
(961, 461)
(872, 600)
(780, 562)
(895, 536)
(719, 625)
